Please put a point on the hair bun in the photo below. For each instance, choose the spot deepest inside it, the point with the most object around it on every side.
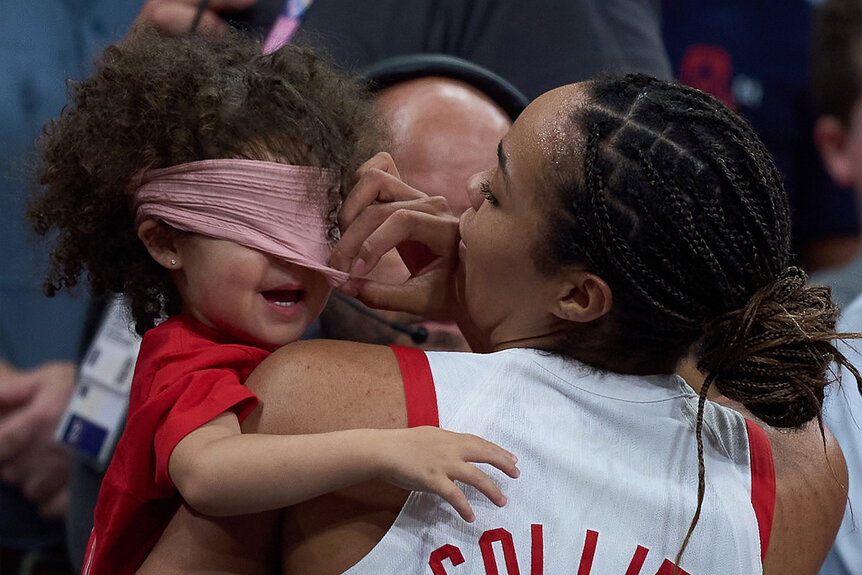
(773, 354)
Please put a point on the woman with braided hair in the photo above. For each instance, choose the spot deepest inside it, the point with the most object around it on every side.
(628, 222)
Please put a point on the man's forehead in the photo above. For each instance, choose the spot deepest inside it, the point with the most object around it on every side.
(443, 132)
(435, 99)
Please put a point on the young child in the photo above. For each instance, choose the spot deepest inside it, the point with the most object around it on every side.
(201, 180)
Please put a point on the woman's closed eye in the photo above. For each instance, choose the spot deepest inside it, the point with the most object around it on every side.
(485, 190)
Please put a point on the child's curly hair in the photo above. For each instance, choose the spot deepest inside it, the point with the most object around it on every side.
(155, 102)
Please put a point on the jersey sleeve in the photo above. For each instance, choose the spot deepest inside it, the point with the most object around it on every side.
(418, 386)
(762, 482)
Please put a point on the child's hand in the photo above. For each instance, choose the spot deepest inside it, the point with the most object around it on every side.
(431, 459)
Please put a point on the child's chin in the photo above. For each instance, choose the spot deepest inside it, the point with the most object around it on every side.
(294, 334)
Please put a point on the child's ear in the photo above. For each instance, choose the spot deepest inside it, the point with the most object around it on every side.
(584, 297)
(832, 141)
(160, 244)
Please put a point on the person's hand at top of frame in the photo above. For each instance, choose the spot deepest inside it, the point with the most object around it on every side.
(176, 17)
(381, 213)
(31, 404)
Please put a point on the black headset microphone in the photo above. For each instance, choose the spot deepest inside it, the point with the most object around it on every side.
(418, 333)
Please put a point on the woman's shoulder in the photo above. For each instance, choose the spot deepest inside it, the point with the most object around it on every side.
(329, 358)
(322, 385)
(811, 494)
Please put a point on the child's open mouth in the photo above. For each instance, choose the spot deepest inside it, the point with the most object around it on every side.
(283, 297)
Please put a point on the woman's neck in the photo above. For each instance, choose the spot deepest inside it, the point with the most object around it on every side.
(596, 344)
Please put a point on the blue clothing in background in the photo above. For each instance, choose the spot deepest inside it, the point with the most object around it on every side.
(42, 44)
(754, 56)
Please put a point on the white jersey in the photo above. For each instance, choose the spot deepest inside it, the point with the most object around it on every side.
(608, 481)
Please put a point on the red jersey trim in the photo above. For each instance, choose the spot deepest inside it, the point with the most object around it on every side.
(418, 386)
(762, 482)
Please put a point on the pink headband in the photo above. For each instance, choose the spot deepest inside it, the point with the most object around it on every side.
(261, 205)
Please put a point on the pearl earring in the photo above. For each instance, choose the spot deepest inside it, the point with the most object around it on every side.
(173, 262)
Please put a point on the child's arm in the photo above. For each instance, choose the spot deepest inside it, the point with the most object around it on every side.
(220, 471)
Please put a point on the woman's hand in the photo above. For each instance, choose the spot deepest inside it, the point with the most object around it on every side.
(382, 213)
(431, 460)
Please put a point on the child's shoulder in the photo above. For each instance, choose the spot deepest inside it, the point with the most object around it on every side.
(176, 332)
(182, 335)
(183, 330)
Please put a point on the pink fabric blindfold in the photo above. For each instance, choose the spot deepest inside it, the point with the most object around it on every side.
(260, 205)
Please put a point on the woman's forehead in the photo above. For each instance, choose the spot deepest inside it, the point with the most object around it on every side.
(556, 105)
(546, 125)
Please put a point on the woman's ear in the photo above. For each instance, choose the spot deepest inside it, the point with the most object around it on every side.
(160, 244)
(584, 297)
(832, 141)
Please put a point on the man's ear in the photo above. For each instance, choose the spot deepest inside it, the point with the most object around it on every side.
(833, 143)
(584, 297)
(160, 244)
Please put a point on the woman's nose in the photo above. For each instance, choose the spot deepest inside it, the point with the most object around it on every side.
(474, 192)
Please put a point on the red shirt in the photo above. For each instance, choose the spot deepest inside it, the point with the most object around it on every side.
(186, 375)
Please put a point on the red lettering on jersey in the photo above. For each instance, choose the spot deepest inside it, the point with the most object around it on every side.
(637, 560)
(667, 569)
(537, 547)
(589, 552)
(449, 552)
(505, 539)
(537, 561)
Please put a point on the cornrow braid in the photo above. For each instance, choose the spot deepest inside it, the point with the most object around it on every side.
(680, 209)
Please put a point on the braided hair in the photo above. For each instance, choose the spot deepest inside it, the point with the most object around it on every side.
(155, 102)
(682, 212)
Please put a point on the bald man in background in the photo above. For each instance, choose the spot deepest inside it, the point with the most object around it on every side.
(442, 130)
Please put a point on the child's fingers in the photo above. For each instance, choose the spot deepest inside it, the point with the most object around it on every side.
(502, 460)
(472, 475)
(483, 451)
(456, 498)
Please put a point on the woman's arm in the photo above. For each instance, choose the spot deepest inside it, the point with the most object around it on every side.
(811, 493)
